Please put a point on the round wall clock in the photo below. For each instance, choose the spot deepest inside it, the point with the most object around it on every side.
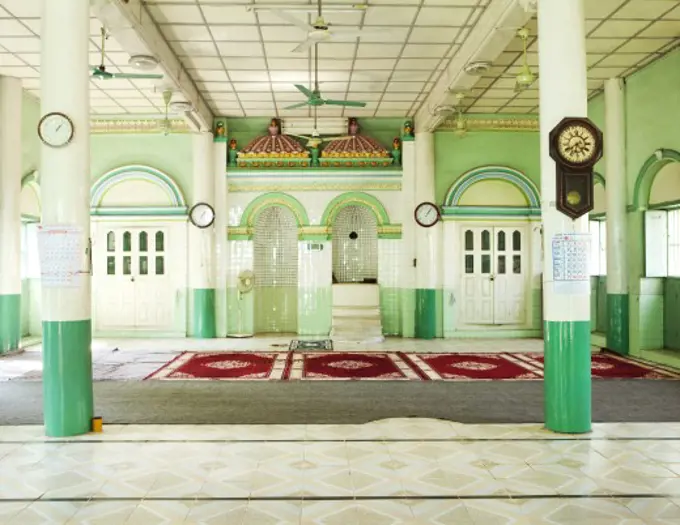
(202, 215)
(427, 214)
(577, 143)
(55, 130)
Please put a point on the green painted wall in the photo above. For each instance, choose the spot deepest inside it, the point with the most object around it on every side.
(30, 143)
(455, 155)
(171, 154)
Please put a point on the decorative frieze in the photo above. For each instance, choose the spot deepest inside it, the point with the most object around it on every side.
(147, 126)
(492, 124)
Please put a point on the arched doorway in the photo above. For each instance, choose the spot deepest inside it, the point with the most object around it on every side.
(275, 254)
(355, 246)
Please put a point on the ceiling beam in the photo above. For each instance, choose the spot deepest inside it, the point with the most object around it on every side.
(130, 23)
(489, 38)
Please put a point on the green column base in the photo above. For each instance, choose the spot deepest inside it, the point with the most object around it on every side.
(67, 377)
(205, 326)
(426, 313)
(567, 381)
(10, 323)
(617, 323)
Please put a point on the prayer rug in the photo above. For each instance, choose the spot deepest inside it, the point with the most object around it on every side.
(339, 366)
(607, 365)
(475, 367)
(224, 365)
(301, 344)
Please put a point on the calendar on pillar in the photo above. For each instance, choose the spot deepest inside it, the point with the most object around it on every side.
(62, 256)
(571, 263)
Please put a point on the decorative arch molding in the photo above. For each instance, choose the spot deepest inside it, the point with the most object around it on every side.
(598, 178)
(647, 174)
(355, 198)
(506, 174)
(176, 202)
(258, 204)
(30, 181)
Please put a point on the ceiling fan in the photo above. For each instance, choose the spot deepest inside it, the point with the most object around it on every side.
(100, 73)
(314, 96)
(525, 78)
(320, 30)
(460, 122)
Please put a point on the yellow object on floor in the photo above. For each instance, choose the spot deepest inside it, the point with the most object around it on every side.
(97, 424)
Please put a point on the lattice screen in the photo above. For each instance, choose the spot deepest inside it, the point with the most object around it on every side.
(275, 244)
(355, 245)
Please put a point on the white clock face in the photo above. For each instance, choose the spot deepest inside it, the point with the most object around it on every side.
(577, 144)
(202, 215)
(55, 130)
(427, 214)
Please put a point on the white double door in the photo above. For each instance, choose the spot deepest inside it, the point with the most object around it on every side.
(133, 279)
(494, 275)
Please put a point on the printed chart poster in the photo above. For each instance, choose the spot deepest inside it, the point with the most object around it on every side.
(571, 263)
(61, 250)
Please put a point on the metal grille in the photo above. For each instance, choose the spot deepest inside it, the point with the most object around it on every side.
(275, 245)
(355, 245)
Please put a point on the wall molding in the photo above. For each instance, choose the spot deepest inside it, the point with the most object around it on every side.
(355, 198)
(143, 126)
(177, 202)
(492, 124)
(645, 179)
(451, 206)
(260, 203)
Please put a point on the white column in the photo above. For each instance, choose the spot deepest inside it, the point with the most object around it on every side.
(617, 221)
(563, 93)
(221, 247)
(428, 242)
(201, 240)
(615, 177)
(65, 187)
(408, 238)
(10, 214)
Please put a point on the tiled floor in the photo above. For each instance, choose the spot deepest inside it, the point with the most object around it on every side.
(401, 471)
(124, 359)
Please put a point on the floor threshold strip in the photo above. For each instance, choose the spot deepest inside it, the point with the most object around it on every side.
(405, 497)
(355, 440)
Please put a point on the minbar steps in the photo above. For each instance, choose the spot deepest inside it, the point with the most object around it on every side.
(356, 313)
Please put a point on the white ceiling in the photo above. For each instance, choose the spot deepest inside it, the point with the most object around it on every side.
(243, 63)
(622, 37)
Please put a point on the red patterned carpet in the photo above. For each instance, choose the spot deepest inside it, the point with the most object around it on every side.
(390, 366)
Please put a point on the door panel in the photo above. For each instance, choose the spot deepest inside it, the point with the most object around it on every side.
(494, 275)
(132, 286)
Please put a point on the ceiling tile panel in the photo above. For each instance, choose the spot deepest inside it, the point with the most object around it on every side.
(228, 33)
(176, 14)
(433, 35)
(234, 14)
(386, 16)
(453, 16)
(619, 28)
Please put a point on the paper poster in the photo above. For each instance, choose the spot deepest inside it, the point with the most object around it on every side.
(62, 250)
(571, 263)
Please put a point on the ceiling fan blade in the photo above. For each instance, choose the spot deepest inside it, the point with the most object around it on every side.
(136, 76)
(348, 34)
(296, 106)
(302, 48)
(306, 92)
(348, 103)
(283, 15)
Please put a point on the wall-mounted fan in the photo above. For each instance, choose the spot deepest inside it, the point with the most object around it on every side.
(100, 73)
(320, 30)
(460, 122)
